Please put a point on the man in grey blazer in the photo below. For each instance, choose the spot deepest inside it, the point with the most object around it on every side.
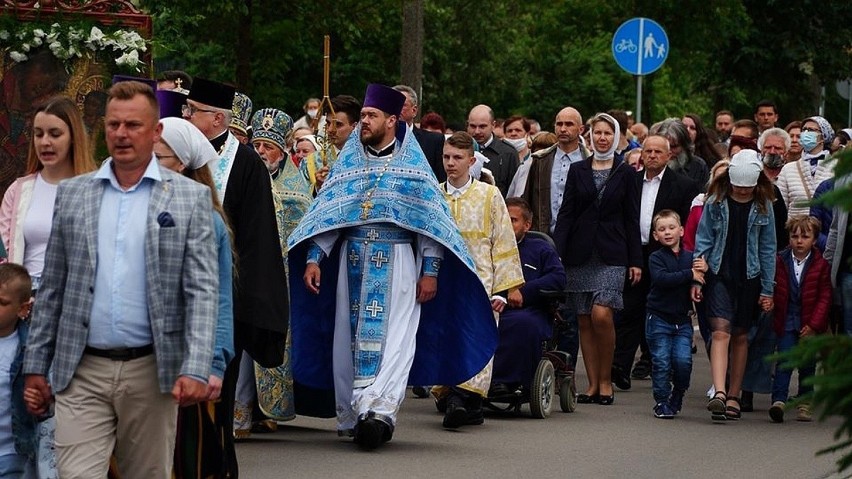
(126, 313)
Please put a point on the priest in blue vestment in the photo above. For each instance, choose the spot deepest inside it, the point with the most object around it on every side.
(383, 290)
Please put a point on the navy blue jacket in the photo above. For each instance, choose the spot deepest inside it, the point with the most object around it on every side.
(542, 271)
(671, 280)
(610, 226)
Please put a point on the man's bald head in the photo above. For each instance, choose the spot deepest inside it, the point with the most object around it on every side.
(568, 126)
(570, 111)
(480, 112)
(656, 154)
(480, 123)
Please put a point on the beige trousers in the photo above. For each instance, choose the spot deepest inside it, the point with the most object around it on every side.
(115, 406)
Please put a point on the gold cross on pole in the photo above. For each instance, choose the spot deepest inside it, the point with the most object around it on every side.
(325, 104)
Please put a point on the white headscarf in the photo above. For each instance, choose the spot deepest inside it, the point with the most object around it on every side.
(310, 138)
(609, 154)
(190, 145)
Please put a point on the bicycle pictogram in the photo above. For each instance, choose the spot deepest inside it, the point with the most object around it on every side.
(625, 45)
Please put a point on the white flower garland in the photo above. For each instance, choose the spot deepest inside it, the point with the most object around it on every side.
(69, 41)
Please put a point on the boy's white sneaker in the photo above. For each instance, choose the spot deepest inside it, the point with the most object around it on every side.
(776, 411)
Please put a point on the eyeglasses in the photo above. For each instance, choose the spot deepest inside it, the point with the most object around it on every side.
(163, 157)
(813, 130)
(189, 110)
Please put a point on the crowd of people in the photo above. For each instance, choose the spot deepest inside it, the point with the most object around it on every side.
(228, 268)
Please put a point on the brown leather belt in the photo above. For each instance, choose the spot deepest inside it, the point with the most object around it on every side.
(121, 354)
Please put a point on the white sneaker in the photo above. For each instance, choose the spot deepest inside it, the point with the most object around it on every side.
(711, 392)
(776, 411)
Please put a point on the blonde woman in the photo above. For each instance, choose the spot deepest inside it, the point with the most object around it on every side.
(59, 150)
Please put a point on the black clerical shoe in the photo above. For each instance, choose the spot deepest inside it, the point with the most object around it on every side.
(620, 378)
(420, 391)
(475, 417)
(456, 415)
(370, 433)
(475, 414)
(387, 433)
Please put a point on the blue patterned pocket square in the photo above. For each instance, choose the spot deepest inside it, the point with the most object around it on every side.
(165, 220)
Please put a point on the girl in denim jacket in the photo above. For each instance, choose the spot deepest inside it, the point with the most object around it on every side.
(736, 236)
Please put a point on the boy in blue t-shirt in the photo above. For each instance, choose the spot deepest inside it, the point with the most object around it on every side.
(668, 328)
(17, 427)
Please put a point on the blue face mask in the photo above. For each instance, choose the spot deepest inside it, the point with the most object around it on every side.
(808, 140)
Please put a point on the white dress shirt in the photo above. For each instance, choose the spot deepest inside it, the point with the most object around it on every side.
(456, 192)
(650, 188)
(799, 266)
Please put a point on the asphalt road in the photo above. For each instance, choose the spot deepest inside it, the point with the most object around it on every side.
(623, 440)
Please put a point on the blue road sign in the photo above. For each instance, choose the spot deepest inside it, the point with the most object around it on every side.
(640, 46)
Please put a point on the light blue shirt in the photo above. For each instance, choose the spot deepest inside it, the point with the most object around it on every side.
(558, 175)
(223, 351)
(120, 303)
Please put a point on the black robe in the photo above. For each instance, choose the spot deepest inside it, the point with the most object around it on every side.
(261, 300)
(432, 145)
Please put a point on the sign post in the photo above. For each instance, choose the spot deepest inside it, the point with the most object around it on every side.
(640, 46)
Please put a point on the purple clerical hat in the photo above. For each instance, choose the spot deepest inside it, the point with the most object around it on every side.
(384, 98)
(171, 103)
(120, 78)
(215, 94)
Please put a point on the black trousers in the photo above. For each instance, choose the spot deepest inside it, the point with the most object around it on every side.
(225, 416)
(630, 327)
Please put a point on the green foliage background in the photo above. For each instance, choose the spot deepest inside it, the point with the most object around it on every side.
(519, 57)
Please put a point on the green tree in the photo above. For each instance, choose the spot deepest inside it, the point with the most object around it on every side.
(788, 52)
(517, 57)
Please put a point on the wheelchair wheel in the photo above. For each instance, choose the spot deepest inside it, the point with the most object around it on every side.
(568, 394)
(541, 392)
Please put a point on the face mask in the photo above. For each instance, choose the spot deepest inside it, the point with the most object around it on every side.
(519, 144)
(773, 161)
(312, 113)
(808, 140)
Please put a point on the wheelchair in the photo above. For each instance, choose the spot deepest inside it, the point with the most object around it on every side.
(554, 374)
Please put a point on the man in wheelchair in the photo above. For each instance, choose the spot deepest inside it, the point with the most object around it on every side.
(526, 322)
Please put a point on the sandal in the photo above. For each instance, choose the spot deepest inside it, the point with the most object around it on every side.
(733, 413)
(716, 406)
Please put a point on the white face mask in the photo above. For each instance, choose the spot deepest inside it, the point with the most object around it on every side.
(520, 144)
(312, 113)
